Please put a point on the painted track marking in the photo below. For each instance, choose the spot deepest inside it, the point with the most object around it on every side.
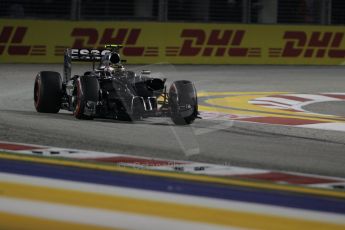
(271, 108)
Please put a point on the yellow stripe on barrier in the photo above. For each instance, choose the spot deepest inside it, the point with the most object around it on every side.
(158, 209)
(174, 175)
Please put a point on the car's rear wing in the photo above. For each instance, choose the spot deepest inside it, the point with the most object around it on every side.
(85, 55)
(80, 55)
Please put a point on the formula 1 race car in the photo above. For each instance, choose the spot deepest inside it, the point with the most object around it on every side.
(111, 91)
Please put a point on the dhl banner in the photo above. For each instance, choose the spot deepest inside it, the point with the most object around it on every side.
(33, 41)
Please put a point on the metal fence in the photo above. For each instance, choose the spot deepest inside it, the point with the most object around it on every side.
(325, 12)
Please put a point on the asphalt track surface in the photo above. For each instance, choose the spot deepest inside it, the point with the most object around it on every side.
(239, 144)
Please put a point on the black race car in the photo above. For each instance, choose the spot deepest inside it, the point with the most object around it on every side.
(111, 91)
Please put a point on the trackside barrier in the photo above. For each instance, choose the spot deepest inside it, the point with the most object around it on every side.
(32, 41)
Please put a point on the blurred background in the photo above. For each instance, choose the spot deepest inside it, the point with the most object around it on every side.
(319, 12)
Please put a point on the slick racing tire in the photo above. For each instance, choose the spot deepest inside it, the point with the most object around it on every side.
(183, 102)
(87, 90)
(47, 92)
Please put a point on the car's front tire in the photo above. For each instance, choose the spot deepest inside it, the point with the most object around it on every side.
(183, 102)
(87, 90)
(47, 92)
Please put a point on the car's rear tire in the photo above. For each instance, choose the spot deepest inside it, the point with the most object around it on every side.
(183, 102)
(47, 92)
(87, 90)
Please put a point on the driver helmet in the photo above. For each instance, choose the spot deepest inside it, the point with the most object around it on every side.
(111, 62)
